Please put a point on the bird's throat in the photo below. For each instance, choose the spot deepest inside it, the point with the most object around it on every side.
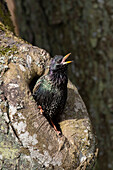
(58, 78)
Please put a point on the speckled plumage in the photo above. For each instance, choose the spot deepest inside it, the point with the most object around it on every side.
(50, 91)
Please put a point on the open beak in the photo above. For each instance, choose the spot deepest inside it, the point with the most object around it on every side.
(64, 59)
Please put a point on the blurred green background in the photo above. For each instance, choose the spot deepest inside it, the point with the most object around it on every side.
(84, 28)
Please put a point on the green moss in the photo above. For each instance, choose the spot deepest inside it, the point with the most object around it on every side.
(7, 50)
(2, 27)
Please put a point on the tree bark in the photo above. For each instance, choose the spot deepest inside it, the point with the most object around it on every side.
(27, 139)
(83, 28)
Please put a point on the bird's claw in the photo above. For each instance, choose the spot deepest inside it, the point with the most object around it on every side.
(41, 110)
(58, 132)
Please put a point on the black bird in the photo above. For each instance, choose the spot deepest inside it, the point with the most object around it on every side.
(50, 91)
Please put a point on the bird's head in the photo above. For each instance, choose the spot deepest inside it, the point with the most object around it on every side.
(59, 63)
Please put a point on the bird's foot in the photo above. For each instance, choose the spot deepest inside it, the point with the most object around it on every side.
(58, 132)
(41, 110)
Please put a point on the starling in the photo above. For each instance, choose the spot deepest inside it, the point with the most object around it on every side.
(50, 91)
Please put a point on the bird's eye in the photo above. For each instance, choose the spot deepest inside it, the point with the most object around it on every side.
(59, 61)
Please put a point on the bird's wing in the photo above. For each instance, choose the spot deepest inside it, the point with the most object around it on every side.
(37, 85)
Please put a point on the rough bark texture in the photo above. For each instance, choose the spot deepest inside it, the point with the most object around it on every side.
(27, 141)
(84, 28)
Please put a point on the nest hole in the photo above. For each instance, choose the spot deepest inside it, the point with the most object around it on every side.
(33, 82)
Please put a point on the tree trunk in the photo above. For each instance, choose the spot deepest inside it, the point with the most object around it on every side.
(83, 28)
(27, 139)
(5, 15)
